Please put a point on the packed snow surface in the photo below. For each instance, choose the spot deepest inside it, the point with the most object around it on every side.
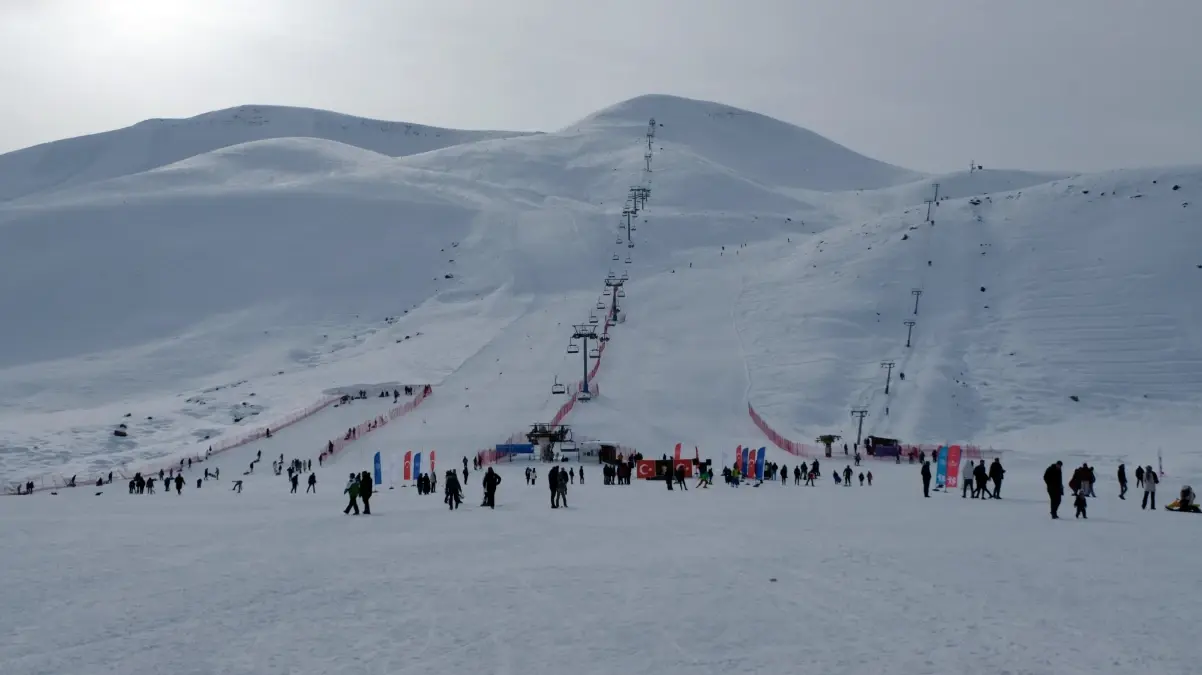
(625, 580)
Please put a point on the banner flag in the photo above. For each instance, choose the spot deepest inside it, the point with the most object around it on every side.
(743, 469)
(379, 470)
(759, 463)
(676, 455)
(738, 455)
(432, 461)
(941, 468)
(408, 465)
(417, 465)
(953, 467)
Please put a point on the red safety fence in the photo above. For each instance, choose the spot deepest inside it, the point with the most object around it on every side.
(807, 450)
(363, 428)
(55, 481)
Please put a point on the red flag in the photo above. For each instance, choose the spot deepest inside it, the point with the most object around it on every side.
(676, 455)
(953, 467)
(408, 464)
(431, 461)
(697, 454)
(738, 455)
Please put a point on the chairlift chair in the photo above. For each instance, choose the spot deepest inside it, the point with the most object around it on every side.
(600, 305)
(558, 388)
(594, 353)
(606, 294)
(628, 260)
(621, 293)
(625, 276)
(583, 396)
(593, 319)
(604, 337)
(610, 275)
(616, 257)
(620, 241)
(573, 348)
(630, 245)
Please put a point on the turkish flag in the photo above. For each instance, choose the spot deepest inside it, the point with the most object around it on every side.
(646, 469)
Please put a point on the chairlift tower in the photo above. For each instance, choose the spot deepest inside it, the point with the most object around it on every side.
(888, 366)
(616, 286)
(932, 201)
(650, 134)
(647, 162)
(909, 330)
(860, 413)
(585, 332)
(917, 293)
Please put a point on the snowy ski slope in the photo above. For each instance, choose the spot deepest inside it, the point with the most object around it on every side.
(295, 265)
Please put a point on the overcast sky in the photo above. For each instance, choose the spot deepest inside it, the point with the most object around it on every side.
(927, 84)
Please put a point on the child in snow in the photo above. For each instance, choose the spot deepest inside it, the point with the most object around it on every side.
(1081, 504)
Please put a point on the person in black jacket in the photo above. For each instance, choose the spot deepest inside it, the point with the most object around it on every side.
(365, 485)
(453, 489)
(1122, 481)
(1053, 478)
(926, 479)
(491, 481)
(553, 483)
(996, 474)
(981, 474)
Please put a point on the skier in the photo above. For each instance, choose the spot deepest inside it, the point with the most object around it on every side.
(237, 487)
(312, 484)
(294, 479)
(365, 485)
(150, 485)
(926, 479)
(1122, 481)
(996, 474)
(1150, 481)
(491, 481)
(1053, 479)
(352, 489)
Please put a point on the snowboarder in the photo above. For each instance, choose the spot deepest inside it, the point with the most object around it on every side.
(1150, 481)
(1122, 481)
(312, 484)
(352, 489)
(491, 481)
(926, 479)
(1053, 479)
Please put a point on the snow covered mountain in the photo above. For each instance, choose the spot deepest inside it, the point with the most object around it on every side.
(205, 291)
(154, 143)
